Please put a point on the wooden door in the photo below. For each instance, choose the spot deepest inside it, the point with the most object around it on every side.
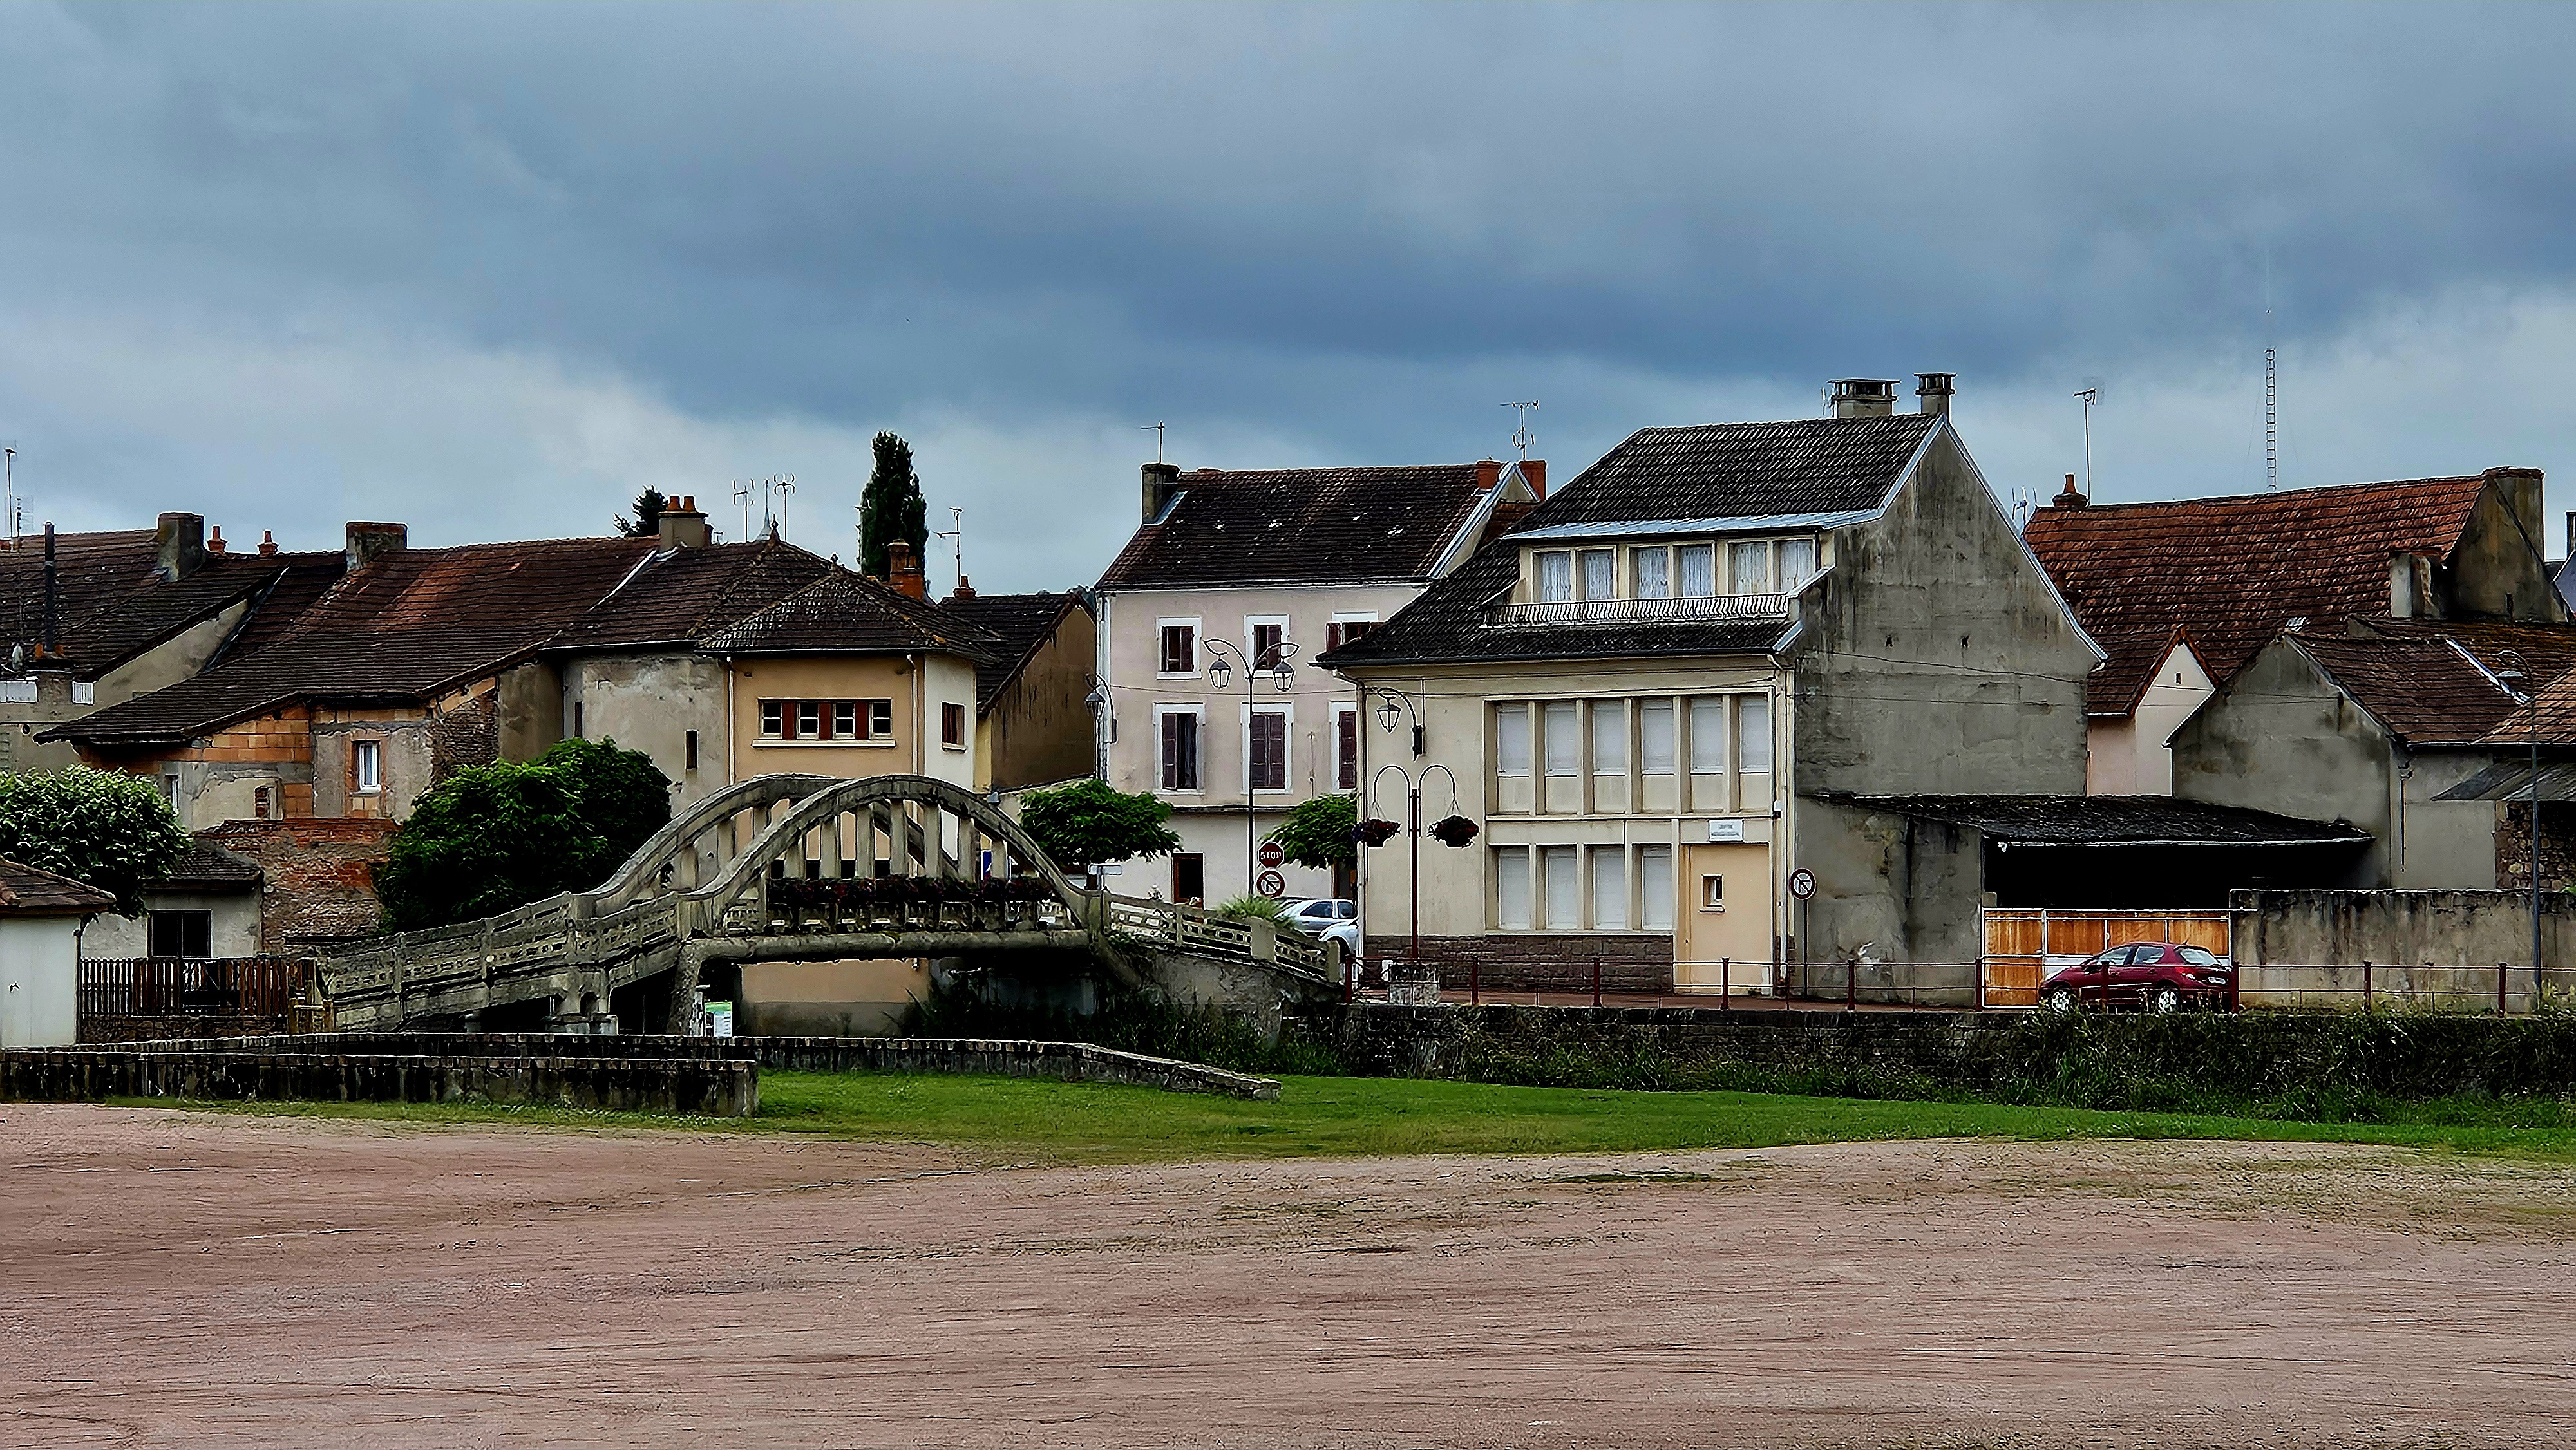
(1723, 916)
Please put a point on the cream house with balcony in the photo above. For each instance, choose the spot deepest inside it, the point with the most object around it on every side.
(1661, 691)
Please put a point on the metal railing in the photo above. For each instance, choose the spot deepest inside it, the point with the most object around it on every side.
(1632, 611)
(185, 986)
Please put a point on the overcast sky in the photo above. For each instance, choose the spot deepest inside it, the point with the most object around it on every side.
(491, 270)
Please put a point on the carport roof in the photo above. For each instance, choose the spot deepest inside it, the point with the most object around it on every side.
(2110, 820)
(2510, 780)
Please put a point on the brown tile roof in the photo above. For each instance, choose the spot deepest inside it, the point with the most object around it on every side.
(2230, 573)
(2110, 820)
(2424, 691)
(1020, 622)
(210, 865)
(1300, 526)
(686, 594)
(112, 603)
(26, 891)
(848, 612)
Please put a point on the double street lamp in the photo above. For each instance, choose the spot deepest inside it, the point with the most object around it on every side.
(1220, 677)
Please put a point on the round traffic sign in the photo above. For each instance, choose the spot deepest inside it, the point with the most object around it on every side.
(1802, 883)
(1272, 854)
(1272, 885)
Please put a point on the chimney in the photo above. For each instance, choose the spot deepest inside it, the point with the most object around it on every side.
(181, 539)
(1864, 397)
(963, 590)
(1489, 471)
(1534, 473)
(684, 524)
(1162, 480)
(53, 598)
(1934, 390)
(2067, 497)
(903, 568)
(2520, 490)
(367, 542)
(267, 542)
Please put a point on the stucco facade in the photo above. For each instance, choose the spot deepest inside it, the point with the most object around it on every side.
(39, 981)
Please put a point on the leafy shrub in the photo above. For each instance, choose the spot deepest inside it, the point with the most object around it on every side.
(1255, 908)
(1317, 833)
(1087, 822)
(102, 828)
(500, 836)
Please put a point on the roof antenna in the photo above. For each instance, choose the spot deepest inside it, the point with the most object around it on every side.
(742, 495)
(2271, 389)
(785, 486)
(2090, 396)
(1158, 438)
(956, 538)
(1523, 435)
(9, 466)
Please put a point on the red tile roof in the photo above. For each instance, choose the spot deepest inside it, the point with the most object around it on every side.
(2424, 691)
(26, 891)
(2230, 573)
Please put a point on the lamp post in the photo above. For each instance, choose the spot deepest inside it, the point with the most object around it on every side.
(1413, 779)
(1220, 677)
(2516, 670)
(1394, 705)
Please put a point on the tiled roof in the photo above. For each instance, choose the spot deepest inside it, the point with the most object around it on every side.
(208, 864)
(2110, 820)
(686, 594)
(851, 612)
(26, 891)
(410, 624)
(112, 604)
(1020, 622)
(1448, 622)
(1300, 526)
(2230, 573)
(2424, 691)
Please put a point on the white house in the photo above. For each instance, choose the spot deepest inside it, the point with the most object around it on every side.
(41, 917)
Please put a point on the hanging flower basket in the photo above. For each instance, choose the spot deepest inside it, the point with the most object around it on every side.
(1374, 832)
(1453, 830)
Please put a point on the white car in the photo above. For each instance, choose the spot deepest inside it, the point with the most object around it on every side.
(1348, 934)
(1315, 916)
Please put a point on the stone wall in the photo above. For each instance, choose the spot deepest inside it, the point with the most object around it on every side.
(180, 1027)
(320, 883)
(203, 1071)
(1063, 1061)
(1534, 962)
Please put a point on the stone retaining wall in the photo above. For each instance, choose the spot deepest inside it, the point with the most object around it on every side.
(220, 1072)
(179, 1026)
(1065, 1061)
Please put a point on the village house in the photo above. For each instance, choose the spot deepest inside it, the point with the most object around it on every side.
(1033, 722)
(42, 917)
(1210, 622)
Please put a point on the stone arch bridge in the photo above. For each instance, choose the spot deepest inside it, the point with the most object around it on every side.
(810, 868)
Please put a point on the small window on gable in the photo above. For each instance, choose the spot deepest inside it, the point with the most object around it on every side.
(366, 766)
(952, 725)
(692, 757)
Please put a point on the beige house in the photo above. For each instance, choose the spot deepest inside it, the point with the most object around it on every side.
(1231, 576)
(1033, 719)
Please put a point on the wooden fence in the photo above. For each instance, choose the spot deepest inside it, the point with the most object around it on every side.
(2025, 944)
(175, 986)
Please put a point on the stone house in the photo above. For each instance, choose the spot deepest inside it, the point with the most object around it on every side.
(1270, 567)
(1033, 720)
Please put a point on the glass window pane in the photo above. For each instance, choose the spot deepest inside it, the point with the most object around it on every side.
(1752, 568)
(1600, 574)
(1797, 563)
(1655, 736)
(1753, 733)
(1561, 897)
(1708, 733)
(1655, 888)
(1609, 888)
(1512, 887)
(1564, 747)
(1654, 573)
(1511, 740)
(1699, 570)
(1555, 577)
(1609, 738)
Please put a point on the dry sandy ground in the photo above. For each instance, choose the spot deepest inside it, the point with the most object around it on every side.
(184, 1279)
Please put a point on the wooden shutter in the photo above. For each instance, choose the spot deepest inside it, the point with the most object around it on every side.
(1269, 751)
(1347, 730)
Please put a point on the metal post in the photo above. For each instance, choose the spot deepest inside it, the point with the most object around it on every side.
(2500, 987)
(1596, 981)
(1413, 823)
(1725, 983)
(2535, 843)
(2365, 984)
(1851, 984)
(1979, 1000)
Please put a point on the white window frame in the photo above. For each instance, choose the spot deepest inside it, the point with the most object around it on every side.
(1526, 857)
(19, 690)
(1251, 656)
(1583, 573)
(1353, 616)
(1243, 738)
(1198, 710)
(1636, 576)
(84, 692)
(361, 752)
(1198, 653)
(1538, 574)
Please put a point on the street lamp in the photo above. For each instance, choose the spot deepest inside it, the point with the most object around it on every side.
(1220, 677)
(2517, 671)
(1394, 705)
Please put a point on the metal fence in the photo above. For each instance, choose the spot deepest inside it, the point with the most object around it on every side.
(179, 986)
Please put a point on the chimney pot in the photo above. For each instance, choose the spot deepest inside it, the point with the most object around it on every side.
(1934, 390)
(682, 526)
(182, 545)
(2067, 497)
(1489, 472)
(903, 568)
(1864, 397)
(268, 541)
(963, 590)
(369, 541)
(215, 540)
(1162, 480)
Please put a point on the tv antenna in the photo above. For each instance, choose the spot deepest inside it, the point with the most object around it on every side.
(784, 485)
(1523, 435)
(2089, 397)
(2271, 389)
(9, 468)
(956, 538)
(1157, 430)
(742, 496)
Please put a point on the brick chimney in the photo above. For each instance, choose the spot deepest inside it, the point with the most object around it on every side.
(368, 542)
(1534, 473)
(684, 524)
(267, 542)
(181, 542)
(2067, 497)
(1489, 471)
(215, 540)
(1864, 397)
(1932, 392)
(963, 590)
(903, 570)
(1162, 480)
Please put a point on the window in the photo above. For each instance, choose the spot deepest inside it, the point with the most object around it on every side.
(952, 726)
(1346, 631)
(880, 719)
(809, 720)
(1600, 573)
(1797, 563)
(1609, 738)
(1655, 736)
(1751, 568)
(1511, 740)
(576, 720)
(1268, 755)
(1558, 863)
(772, 718)
(366, 766)
(2198, 956)
(1346, 748)
(1753, 733)
(84, 692)
(690, 762)
(261, 804)
(20, 691)
(1265, 645)
(1189, 877)
(1555, 577)
(1654, 572)
(183, 933)
(1180, 649)
(1564, 747)
(826, 719)
(1712, 893)
(1699, 570)
(1181, 750)
(1609, 888)
(1655, 888)
(1707, 734)
(1512, 888)
(845, 719)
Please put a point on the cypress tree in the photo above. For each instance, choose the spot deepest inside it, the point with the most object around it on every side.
(892, 508)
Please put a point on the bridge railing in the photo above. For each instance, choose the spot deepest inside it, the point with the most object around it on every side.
(1196, 929)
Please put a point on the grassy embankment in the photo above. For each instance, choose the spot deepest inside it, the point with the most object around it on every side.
(1334, 1116)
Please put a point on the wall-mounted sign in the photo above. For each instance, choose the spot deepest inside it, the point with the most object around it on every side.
(1802, 883)
(1272, 853)
(1272, 885)
(1726, 830)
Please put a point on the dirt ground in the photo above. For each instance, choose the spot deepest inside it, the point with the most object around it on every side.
(188, 1279)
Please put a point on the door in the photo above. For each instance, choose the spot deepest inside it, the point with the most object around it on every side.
(1725, 917)
(1189, 878)
(2105, 978)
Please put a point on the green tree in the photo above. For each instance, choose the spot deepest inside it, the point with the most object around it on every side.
(1318, 832)
(503, 835)
(648, 515)
(1086, 821)
(892, 508)
(102, 828)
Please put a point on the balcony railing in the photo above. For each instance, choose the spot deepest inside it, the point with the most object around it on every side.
(1632, 611)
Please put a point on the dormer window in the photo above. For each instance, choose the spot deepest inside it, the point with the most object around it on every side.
(1555, 577)
(1752, 568)
(1654, 571)
(1600, 573)
(1699, 570)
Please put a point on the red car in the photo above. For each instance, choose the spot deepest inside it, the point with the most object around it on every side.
(2154, 976)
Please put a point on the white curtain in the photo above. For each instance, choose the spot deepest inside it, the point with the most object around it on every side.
(1753, 733)
(1707, 734)
(1654, 573)
(1564, 747)
(1512, 887)
(1511, 740)
(1655, 736)
(1655, 888)
(1699, 570)
(1609, 888)
(1609, 738)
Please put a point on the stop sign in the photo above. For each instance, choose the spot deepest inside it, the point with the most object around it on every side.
(1271, 854)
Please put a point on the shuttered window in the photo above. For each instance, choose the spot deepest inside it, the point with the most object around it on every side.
(1346, 747)
(1181, 752)
(1180, 650)
(1270, 751)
